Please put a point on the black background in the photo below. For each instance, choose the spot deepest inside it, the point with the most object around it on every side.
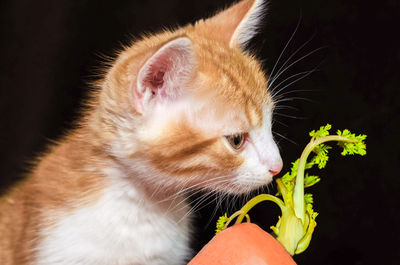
(51, 49)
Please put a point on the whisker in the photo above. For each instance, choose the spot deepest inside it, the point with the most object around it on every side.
(281, 123)
(273, 78)
(292, 92)
(282, 82)
(303, 75)
(284, 137)
(285, 107)
(290, 116)
(213, 181)
(203, 197)
(220, 198)
(287, 44)
(295, 62)
(199, 205)
(190, 188)
(293, 98)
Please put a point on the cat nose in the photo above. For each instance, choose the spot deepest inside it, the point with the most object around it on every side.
(274, 172)
(276, 167)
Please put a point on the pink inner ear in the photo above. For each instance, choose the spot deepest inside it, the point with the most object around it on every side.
(157, 80)
(156, 74)
(164, 75)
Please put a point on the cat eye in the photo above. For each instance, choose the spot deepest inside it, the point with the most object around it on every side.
(236, 140)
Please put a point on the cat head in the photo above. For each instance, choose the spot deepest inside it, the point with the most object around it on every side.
(191, 107)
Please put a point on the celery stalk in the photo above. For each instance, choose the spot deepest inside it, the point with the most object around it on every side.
(297, 222)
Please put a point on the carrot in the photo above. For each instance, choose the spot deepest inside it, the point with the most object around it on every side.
(249, 244)
(243, 244)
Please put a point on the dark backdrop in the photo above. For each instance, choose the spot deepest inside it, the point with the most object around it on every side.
(50, 50)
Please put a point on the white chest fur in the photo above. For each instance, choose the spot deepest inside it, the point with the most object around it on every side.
(120, 228)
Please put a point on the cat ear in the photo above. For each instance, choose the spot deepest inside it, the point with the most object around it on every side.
(236, 25)
(163, 76)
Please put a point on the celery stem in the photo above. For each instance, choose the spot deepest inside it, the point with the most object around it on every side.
(298, 194)
(250, 204)
(231, 218)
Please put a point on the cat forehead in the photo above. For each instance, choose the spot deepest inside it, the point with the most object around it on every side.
(232, 79)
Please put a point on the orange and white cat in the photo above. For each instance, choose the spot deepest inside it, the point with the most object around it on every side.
(181, 109)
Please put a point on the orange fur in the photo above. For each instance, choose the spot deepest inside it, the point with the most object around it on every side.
(71, 174)
(64, 179)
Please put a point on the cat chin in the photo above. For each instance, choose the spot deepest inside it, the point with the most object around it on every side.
(236, 189)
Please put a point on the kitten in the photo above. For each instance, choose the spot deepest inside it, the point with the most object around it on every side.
(181, 109)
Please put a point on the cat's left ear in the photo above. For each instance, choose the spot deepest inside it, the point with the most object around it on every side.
(236, 25)
(165, 74)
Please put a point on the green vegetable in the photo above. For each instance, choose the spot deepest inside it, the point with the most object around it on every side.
(295, 227)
